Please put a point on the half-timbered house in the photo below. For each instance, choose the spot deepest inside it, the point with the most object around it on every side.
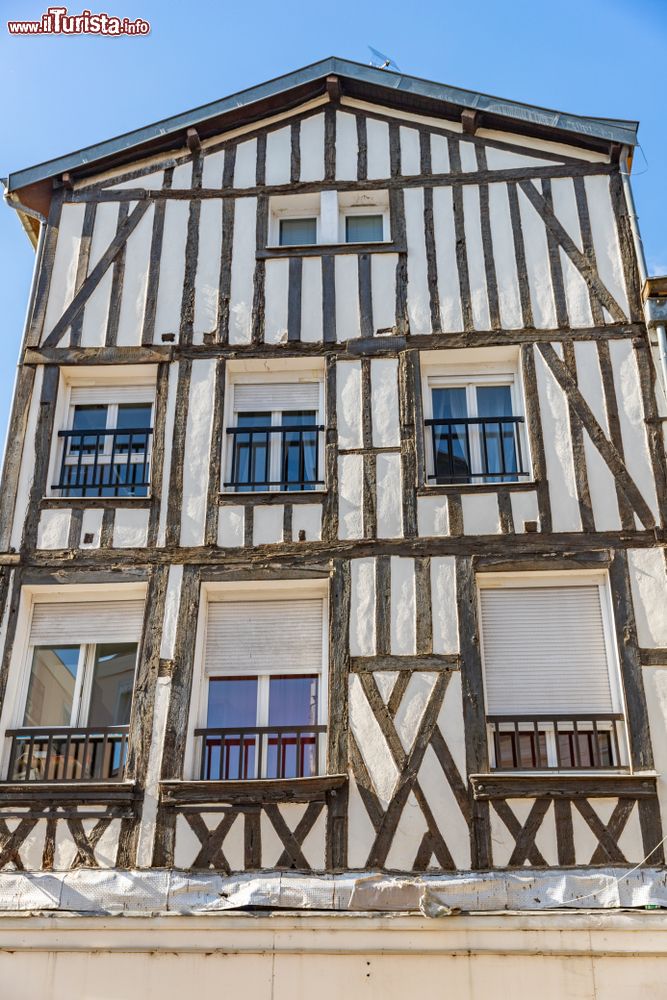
(332, 555)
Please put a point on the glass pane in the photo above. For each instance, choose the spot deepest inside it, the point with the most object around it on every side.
(450, 438)
(232, 703)
(136, 417)
(364, 229)
(497, 437)
(91, 417)
(51, 687)
(298, 232)
(113, 680)
(299, 457)
(251, 454)
(293, 702)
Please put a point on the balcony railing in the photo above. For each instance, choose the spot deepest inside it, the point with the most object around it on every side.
(105, 463)
(476, 449)
(95, 754)
(556, 742)
(252, 453)
(246, 752)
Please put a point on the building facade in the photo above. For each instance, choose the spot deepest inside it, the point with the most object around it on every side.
(332, 552)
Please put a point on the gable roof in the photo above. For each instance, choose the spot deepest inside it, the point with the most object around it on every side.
(287, 91)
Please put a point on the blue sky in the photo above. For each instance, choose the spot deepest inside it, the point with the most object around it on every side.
(593, 57)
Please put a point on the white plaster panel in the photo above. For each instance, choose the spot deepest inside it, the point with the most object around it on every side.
(503, 159)
(502, 841)
(350, 496)
(605, 238)
(384, 403)
(504, 258)
(537, 265)
(408, 837)
(311, 300)
(279, 156)
(439, 154)
(524, 508)
(403, 634)
(212, 169)
(601, 483)
(91, 524)
(377, 135)
(307, 517)
(450, 721)
(558, 450)
(419, 307)
(172, 267)
(346, 146)
(361, 834)
(245, 166)
(631, 413)
(451, 316)
(445, 809)
(410, 156)
(153, 182)
(314, 843)
(65, 263)
(96, 311)
(545, 838)
(168, 440)
(243, 270)
(312, 148)
(475, 255)
(432, 516)
(130, 529)
(268, 524)
(53, 528)
(386, 682)
(31, 851)
(383, 290)
(468, 156)
(347, 297)
(106, 848)
(27, 466)
(207, 276)
(231, 526)
(171, 605)
(649, 595)
(187, 845)
(655, 686)
(371, 743)
(444, 605)
(480, 513)
(272, 845)
(135, 282)
(630, 842)
(362, 607)
(389, 502)
(576, 289)
(197, 454)
(276, 292)
(348, 404)
(412, 707)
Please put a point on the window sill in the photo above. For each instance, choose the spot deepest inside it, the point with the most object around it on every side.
(272, 497)
(49, 501)
(562, 784)
(263, 790)
(327, 249)
(442, 489)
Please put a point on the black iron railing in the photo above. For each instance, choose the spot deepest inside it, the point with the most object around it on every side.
(260, 752)
(476, 449)
(299, 457)
(105, 463)
(556, 742)
(94, 754)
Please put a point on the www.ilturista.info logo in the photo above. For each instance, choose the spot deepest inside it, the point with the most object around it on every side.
(56, 21)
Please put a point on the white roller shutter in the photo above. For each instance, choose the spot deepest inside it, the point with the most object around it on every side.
(253, 637)
(544, 651)
(87, 622)
(252, 397)
(102, 395)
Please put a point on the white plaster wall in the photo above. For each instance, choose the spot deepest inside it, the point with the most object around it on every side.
(475, 255)
(91, 523)
(468, 156)
(362, 607)
(504, 257)
(130, 528)
(350, 496)
(432, 516)
(197, 453)
(268, 525)
(347, 297)
(419, 309)
(96, 310)
(348, 404)
(135, 282)
(311, 300)
(275, 308)
(231, 521)
(503, 159)
(558, 450)
(388, 495)
(444, 605)
(649, 595)
(524, 508)
(245, 165)
(377, 134)
(537, 264)
(307, 517)
(346, 146)
(410, 156)
(278, 156)
(312, 148)
(207, 276)
(601, 482)
(439, 154)
(605, 238)
(576, 289)
(212, 169)
(403, 634)
(172, 261)
(451, 316)
(384, 403)
(243, 270)
(383, 290)
(65, 262)
(53, 528)
(480, 513)
(372, 745)
(631, 415)
(655, 687)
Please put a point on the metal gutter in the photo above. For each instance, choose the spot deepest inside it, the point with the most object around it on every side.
(601, 129)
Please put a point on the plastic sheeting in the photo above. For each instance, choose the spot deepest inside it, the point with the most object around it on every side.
(151, 892)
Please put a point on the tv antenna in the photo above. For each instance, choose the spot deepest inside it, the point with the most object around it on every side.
(384, 61)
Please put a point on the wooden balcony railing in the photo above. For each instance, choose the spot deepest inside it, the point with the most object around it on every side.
(246, 752)
(556, 742)
(96, 754)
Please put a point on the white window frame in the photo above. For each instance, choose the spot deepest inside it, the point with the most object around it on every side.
(268, 378)
(470, 378)
(330, 213)
(345, 212)
(568, 578)
(254, 591)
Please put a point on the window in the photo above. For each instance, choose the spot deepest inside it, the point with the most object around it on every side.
(475, 429)
(298, 232)
(552, 688)
(364, 229)
(78, 693)
(329, 217)
(105, 448)
(263, 705)
(275, 440)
